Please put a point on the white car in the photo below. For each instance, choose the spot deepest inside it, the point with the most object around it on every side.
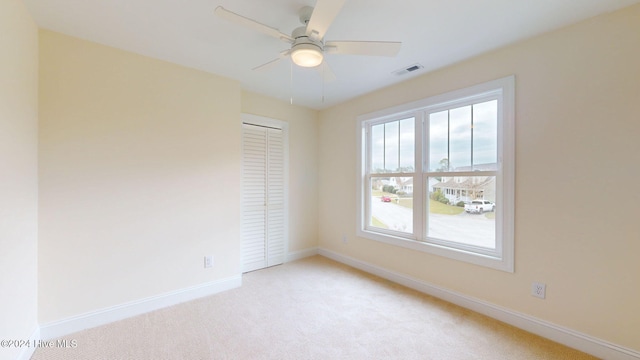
(479, 206)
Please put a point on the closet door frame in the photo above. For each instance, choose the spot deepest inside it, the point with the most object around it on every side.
(262, 121)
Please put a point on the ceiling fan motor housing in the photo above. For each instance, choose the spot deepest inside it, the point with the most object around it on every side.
(299, 35)
(305, 51)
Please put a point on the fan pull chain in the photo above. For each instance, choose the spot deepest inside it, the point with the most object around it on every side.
(324, 66)
(291, 82)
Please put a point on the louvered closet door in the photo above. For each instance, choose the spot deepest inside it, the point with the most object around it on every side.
(263, 199)
(275, 197)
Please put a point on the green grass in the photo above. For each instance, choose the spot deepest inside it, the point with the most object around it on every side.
(377, 223)
(436, 207)
(406, 202)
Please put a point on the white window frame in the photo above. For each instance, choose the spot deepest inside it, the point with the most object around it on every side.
(503, 257)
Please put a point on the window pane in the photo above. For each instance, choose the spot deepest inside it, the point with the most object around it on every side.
(456, 143)
(407, 145)
(448, 217)
(392, 203)
(460, 138)
(391, 148)
(438, 141)
(485, 135)
(377, 148)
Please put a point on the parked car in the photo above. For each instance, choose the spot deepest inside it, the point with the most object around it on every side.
(479, 206)
(385, 199)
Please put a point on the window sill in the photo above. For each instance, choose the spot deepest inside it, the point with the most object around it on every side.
(493, 262)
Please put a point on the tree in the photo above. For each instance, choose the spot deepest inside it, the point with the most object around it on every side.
(444, 166)
(404, 169)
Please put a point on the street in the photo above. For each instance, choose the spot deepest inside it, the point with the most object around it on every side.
(471, 229)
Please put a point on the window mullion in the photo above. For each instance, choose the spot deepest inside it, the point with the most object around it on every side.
(424, 180)
(384, 147)
(367, 177)
(472, 164)
(418, 182)
(399, 147)
(448, 140)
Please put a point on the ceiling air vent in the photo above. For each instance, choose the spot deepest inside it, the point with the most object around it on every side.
(408, 69)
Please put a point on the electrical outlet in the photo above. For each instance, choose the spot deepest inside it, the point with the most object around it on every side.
(344, 239)
(208, 261)
(538, 290)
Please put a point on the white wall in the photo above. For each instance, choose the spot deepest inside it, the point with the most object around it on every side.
(139, 177)
(303, 165)
(576, 227)
(18, 177)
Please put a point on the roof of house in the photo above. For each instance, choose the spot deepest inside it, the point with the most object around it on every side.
(468, 183)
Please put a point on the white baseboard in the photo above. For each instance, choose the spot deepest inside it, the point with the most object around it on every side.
(571, 338)
(119, 312)
(297, 255)
(27, 351)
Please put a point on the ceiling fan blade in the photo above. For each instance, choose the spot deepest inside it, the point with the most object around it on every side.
(323, 14)
(250, 23)
(373, 48)
(268, 65)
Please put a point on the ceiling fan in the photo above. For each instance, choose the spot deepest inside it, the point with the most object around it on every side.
(307, 42)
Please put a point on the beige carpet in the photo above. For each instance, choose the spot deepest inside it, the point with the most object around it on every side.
(311, 309)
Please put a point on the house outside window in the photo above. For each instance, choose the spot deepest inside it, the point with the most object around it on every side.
(437, 175)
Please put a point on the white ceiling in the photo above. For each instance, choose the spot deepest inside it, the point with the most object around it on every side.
(435, 33)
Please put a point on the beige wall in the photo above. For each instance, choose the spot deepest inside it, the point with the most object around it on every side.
(303, 165)
(18, 177)
(139, 177)
(140, 165)
(577, 131)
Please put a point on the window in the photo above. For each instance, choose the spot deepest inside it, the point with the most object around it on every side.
(437, 175)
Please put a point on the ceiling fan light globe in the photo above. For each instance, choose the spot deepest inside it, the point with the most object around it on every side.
(306, 55)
